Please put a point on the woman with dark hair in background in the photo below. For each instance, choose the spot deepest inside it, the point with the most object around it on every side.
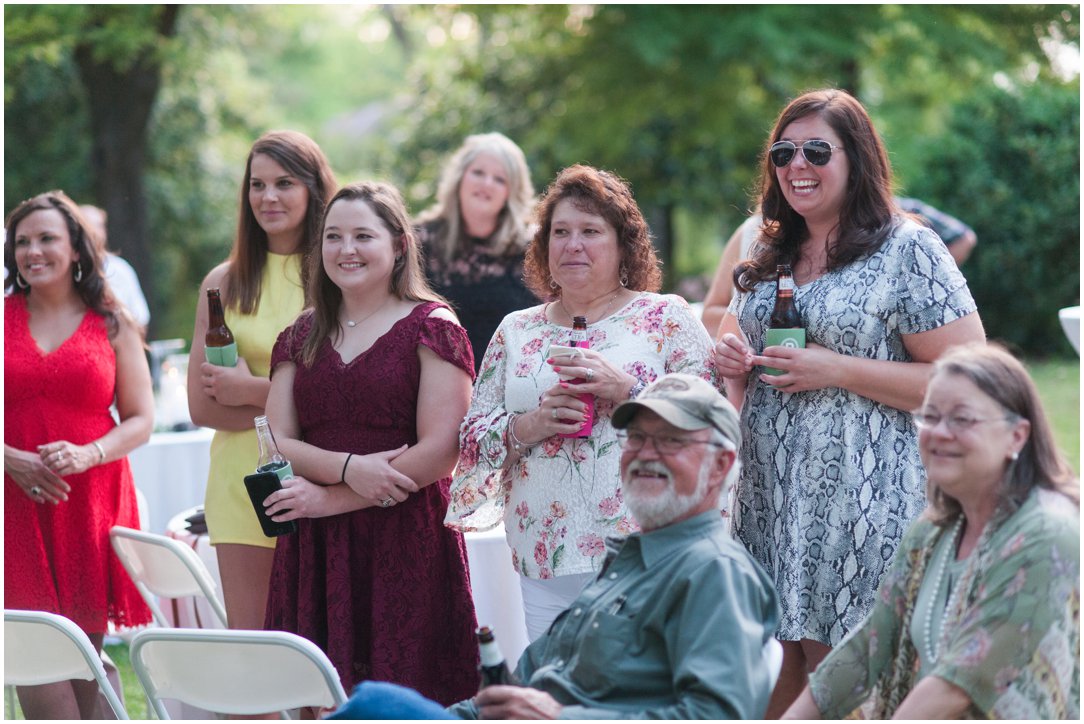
(368, 390)
(979, 615)
(70, 351)
(831, 475)
(559, 497)
(286, 184)
(475, 235)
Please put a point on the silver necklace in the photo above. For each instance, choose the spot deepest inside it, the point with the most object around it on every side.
(933, 647)
(605, 314)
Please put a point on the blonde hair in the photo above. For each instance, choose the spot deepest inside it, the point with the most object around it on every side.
(512, 232)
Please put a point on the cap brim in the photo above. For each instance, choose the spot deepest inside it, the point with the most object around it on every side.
(663, 408)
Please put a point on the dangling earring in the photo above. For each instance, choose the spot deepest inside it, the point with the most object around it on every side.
(553, 284)
(78, 273)
(20, 282)
(624, 277)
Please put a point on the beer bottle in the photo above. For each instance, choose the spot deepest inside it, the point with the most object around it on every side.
(492, 668)
(579, 339)
(218, 346)
(271, 460)
(785, 325)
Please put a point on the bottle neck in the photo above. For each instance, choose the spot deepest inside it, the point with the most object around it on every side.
(490, 654)
(217, 317)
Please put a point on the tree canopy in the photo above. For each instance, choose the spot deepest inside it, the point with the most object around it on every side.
(677, 99)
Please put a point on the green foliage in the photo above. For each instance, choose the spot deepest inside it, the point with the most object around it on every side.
(1009, 164)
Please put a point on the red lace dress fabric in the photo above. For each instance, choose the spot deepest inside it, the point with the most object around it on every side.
(58, 558)
(385, 592)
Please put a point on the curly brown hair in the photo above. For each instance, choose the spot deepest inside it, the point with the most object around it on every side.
(609, 196)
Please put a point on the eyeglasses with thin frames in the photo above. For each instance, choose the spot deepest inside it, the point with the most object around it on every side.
(634, 441)
(929, 419)
(816, 150)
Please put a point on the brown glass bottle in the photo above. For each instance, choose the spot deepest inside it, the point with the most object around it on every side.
(218, 346)
(785, 327)
(579, 339)
(493, 669)
(785, 313)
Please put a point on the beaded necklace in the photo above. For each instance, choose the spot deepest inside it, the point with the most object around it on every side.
(933, 647)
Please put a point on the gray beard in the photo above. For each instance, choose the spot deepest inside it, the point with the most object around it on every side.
(662, 509)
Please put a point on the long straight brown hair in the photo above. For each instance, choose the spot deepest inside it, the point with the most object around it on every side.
(300, 157)
(407, 278)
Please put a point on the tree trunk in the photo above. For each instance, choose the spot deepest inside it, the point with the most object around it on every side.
(661, 220)
(120, 98)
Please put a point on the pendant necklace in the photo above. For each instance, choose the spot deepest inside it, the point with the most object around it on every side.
(605, 314)
(353, 323)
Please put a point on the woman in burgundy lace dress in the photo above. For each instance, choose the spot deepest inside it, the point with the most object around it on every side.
(475, 236)
(367, 392)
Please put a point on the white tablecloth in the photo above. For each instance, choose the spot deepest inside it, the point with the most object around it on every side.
(171, 471)
(494, 584)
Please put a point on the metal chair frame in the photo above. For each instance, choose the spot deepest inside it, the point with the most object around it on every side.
(234, 672)
(29, 636)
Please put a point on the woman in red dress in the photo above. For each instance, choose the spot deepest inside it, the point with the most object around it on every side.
(367, 393)
(70, 351)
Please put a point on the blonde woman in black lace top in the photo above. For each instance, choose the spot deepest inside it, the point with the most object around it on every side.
(475, 234)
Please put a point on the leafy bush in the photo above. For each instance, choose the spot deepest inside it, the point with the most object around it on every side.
(1009, 165)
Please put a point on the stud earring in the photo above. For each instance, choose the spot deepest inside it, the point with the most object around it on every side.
(1015, 456)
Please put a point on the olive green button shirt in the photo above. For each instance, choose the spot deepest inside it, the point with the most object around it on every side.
(673, 627)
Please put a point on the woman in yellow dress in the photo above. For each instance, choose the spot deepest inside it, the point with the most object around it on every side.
(287, 182)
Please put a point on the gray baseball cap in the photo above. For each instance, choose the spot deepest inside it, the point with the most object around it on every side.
(685, 401)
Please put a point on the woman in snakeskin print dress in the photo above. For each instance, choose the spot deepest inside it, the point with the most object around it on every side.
(832, 476)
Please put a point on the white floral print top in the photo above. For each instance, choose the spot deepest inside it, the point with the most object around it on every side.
(563, 497)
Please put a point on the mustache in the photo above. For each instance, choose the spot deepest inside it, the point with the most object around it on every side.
(650, 467)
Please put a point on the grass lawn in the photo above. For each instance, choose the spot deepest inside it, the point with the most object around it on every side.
(1059, 386)
(1058, 381)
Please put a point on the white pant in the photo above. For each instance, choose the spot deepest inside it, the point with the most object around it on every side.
(544, 599)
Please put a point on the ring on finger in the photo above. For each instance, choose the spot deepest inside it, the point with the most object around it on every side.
(590, 375)
(553, 413)
(36, 491)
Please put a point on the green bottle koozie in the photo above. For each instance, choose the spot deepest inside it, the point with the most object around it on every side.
(283, 470)
(793, 337)
(222, 356)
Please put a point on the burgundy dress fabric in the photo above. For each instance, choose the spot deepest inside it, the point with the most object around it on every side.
(385, 592)
(58, 558)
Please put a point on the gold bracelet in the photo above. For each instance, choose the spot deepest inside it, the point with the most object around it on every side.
(101, 451)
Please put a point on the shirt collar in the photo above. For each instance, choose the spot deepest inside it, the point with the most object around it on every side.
(658, 544)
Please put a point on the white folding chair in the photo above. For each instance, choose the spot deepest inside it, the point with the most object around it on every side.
(234, 672)
(166, 568)
(44, 648)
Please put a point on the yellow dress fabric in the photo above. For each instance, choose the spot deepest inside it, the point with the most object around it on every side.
(230, 516)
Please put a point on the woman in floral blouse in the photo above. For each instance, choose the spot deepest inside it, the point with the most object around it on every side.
(560, 496)
(979, 615)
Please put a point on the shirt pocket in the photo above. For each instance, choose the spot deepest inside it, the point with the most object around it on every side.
(602, 653)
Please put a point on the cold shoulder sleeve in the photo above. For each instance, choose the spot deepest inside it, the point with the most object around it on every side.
(290, 341)
(449, 341)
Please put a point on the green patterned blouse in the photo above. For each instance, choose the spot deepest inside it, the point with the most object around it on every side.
(1012, 642)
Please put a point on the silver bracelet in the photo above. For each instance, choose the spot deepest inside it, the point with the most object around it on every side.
(518, 445)
(101, 451)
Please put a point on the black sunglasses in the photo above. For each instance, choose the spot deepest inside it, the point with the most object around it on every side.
(817, 151)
